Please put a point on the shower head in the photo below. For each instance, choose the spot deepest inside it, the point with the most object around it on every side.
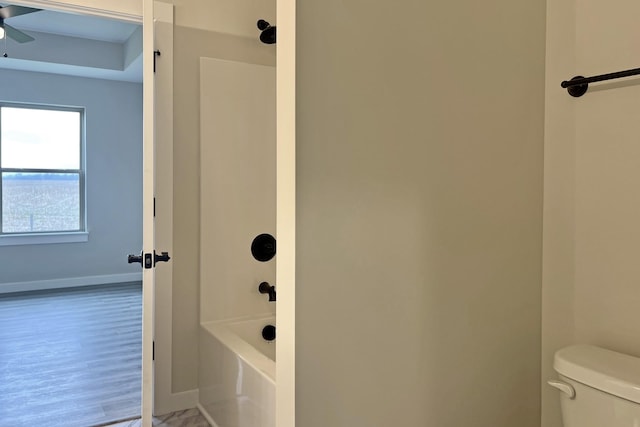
(268, 34)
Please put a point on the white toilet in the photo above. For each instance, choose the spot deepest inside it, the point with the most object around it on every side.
(600, 388)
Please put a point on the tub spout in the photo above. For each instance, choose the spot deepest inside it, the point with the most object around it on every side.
(266, 288)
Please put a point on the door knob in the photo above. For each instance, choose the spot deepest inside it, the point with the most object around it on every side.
(163, 257)
(135, 258)
(147, 261)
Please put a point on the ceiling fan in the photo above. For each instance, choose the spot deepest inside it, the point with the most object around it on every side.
(7, 30)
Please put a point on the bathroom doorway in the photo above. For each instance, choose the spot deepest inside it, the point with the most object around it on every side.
(82, 306)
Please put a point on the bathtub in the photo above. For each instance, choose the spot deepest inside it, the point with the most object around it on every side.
(237, 373)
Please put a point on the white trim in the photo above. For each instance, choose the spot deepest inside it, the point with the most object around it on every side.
(206, 415)
(164, 401)
(43, 238)
(70, 282)
(179, 401)
(163, 12)
(286, 213)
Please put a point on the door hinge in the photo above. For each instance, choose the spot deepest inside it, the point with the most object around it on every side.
(153, 350)
(154, 207)
(156, 53)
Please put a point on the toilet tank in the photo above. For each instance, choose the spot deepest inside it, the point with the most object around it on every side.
(605, 386)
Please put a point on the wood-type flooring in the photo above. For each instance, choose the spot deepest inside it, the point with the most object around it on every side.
(71, 357)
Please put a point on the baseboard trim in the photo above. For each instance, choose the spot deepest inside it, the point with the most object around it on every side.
(71, 282)
(206, 415)
(176, 402)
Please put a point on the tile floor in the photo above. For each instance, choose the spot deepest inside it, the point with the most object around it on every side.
(188, 418)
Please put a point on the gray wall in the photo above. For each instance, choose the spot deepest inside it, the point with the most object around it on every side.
(191, 44)
(114, 178)
(419, 213)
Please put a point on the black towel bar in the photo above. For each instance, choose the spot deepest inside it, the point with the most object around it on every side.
(578, 85)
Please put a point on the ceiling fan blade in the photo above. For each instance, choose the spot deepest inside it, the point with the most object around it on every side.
(17, 35)
(13, 10)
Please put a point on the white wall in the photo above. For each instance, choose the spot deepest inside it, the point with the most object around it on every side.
(114, 174)
(590, 292)
(237, 186)
(419, 200)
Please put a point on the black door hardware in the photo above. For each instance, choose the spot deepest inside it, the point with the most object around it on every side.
(266, 288)
(156, 53)
(163, 257)
(263, 247)
(135, 258)
(148, 260)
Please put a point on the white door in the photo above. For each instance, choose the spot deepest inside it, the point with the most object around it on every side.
(157, 237)
(157, 175)
(163, 401)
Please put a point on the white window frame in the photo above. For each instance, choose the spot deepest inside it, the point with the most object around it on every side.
(48, 237)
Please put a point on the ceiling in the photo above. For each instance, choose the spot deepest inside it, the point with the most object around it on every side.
(74, 44)
(74, 25)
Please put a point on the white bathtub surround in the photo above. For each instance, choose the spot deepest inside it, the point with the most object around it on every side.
(238, 191)
(236, 369)
(237, 373)
(249, 330)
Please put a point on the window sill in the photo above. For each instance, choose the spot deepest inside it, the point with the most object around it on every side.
(44, 238)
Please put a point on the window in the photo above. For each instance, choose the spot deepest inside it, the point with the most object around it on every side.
(42, 168)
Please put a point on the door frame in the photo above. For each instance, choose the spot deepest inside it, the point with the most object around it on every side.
(164, 400)
(286, 212)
